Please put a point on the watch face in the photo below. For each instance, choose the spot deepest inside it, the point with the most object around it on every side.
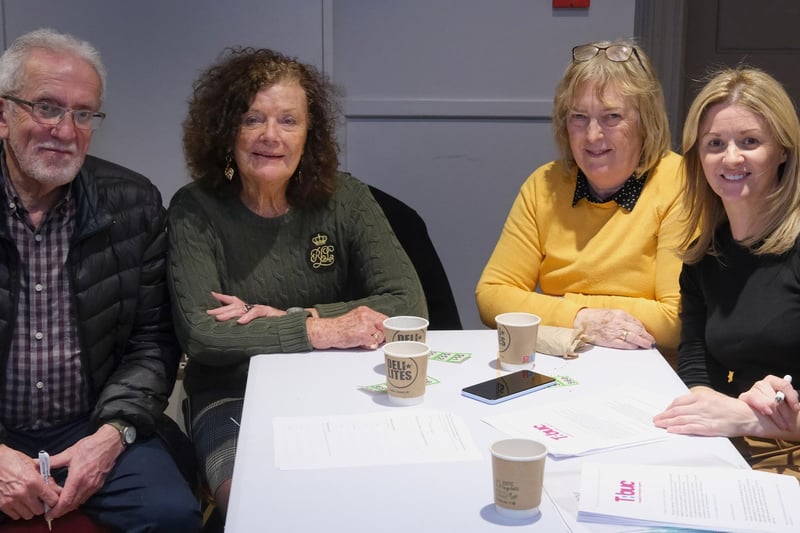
(129, 434)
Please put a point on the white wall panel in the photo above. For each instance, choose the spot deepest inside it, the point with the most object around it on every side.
(452, 50)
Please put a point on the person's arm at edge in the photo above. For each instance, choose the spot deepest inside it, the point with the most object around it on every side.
(139, 388)
(508, 282)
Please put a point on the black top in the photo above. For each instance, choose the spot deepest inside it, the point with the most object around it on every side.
(740, 317)
(413, 235)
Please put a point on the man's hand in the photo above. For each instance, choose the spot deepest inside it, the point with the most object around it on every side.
(89, 461)
(22, 489)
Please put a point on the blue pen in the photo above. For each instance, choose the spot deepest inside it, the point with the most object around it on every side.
(44, 469)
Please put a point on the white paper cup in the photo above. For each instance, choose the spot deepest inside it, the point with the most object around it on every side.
(516, 340)
(405, 328)
(518, 476)
(406, 371)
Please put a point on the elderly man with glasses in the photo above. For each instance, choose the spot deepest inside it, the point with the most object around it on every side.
(88, 355)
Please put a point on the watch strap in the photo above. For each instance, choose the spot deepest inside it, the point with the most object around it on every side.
(127, 433)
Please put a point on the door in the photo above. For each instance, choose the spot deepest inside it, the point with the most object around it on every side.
(729, 32)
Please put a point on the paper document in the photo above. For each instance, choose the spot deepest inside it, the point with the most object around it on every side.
(718, 499)
(387, 438)
(587, 424)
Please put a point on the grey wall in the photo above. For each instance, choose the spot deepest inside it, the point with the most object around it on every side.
(446, 102)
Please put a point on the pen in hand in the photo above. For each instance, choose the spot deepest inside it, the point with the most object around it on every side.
(780, 396)
(44, 469)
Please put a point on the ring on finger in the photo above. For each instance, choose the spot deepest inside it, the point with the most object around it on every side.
(624, 335)
(376, 335)
(247, 307)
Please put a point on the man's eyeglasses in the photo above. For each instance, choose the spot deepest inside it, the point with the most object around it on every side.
(52, 115)
(615, 52)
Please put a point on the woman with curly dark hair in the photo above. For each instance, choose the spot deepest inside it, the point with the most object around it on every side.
(271, 248)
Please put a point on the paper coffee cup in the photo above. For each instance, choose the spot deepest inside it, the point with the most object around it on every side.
(406, 371)
(516, 340)
(518, 472)
(405, 328)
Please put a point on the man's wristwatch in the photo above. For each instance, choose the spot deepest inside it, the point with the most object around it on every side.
(127, 434)
(293, 310)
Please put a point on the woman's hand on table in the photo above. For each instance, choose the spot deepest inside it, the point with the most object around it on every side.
(761, 398)
(707, 412)
(234, 308)
(362, 327)
(613, 328)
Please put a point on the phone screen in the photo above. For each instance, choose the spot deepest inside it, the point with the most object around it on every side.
(508, 386)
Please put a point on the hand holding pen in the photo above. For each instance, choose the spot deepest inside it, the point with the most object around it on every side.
(44, 469)
(780, 396)
(775, 399)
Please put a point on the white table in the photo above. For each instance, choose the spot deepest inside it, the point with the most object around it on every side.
(454, 496)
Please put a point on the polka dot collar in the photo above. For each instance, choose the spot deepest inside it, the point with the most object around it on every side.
(626, 197)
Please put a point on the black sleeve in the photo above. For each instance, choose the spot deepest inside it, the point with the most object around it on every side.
(692, 367)
(412, 233)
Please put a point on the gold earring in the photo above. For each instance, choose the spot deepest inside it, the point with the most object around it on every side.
(228, 167)
(300, 171)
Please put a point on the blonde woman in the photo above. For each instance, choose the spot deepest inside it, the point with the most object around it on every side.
(740, 287)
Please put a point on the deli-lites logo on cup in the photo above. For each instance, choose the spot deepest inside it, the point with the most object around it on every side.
(401, 373)
(408, 336)
(503, 338)
(504, 342)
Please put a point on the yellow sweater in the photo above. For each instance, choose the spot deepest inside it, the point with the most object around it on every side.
(590, 255)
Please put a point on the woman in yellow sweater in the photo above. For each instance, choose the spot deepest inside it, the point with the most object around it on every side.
(591, 240)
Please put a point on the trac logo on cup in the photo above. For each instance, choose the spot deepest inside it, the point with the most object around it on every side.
(401, 373)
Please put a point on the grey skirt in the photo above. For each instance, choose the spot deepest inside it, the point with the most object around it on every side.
(215, 432)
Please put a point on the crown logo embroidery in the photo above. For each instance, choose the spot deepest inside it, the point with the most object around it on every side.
(321, 256)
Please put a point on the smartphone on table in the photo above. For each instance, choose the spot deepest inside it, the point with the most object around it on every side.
(507, 387)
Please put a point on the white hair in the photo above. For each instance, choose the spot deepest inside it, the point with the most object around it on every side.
(12, 62)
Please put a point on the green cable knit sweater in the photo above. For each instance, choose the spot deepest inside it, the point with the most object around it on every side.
(335, 259)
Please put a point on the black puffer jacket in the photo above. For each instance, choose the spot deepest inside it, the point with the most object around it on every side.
(117, 263)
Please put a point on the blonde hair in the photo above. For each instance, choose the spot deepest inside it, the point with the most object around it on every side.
(630, 79)
(778, 224)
